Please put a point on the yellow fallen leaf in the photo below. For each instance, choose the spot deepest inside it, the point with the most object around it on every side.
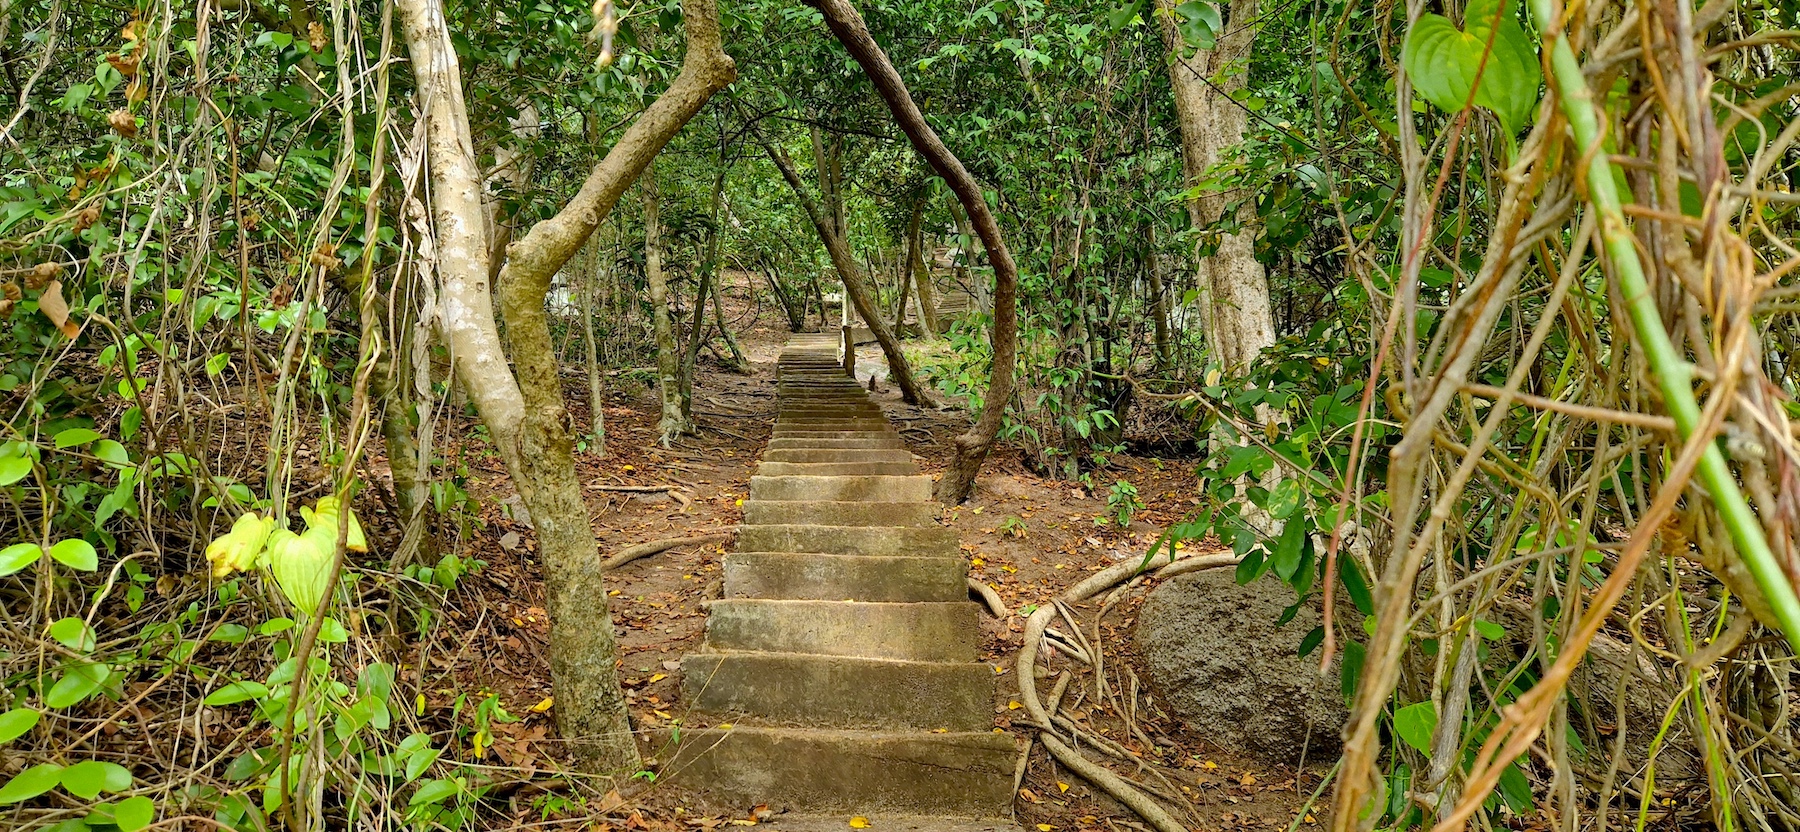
(1045, 827)
(1248, 779)
(1013, 706)
(977, 510)
(723, 726)
(1209, 765)
(663, 714)
(977, 562)
(740, 502)
(659, 677)
(628, 468)
(859, 822)
(549, 702)
(742, 822)
(1061, 786)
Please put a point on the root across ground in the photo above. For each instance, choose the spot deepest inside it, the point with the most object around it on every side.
(1026, 537)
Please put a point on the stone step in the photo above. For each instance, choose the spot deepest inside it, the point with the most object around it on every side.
(877, 489)
(932, 541)
(840, 691)
(837, 455)
(791, 822)
(781, 432)
(966, 775)
(836, 469)
(927, 632)
(882, 443)
(830, 415)
(789, 576)
(839, 513)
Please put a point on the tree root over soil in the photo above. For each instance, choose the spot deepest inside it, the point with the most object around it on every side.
(1037, 631)
(644, 550)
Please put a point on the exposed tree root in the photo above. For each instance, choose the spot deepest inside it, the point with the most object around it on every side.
(990, 598)
(644, 550)
(1036, 631)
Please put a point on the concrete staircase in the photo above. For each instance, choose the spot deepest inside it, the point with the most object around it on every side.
(843, 655)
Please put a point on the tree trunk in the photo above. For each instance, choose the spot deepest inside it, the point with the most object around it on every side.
(524, 413)
(903, 276)
(739, 364)
(668, 351)
(794, 307)
(589, 290)
(1234, 292)
(856, 284)
(1158, 300)
(971, 447)
(921, 271)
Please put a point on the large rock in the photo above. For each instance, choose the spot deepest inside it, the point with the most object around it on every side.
(1219, 662)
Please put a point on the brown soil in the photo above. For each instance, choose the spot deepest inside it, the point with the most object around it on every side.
(1027, 536)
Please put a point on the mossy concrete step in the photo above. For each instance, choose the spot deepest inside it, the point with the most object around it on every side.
(839, 513)
(926, 632)
(840, 691)
(790, 576)
(932, 541)
(878, 443)
(836, 469)
(880, 489)
(953, 774)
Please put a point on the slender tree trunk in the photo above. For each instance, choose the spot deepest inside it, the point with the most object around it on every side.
(903, 276)
(920, 267)
(1159, 298)
(793, 307)
(1234, 292)
(739, 364)
(589, 293)
(668, 351)
(524, 413)
(856, 284)
(973, 446)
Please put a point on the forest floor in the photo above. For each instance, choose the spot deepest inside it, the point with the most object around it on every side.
(1027, 536)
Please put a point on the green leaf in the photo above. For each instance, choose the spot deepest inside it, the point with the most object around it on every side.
(112, 453)
(87, 779)
(134, 813)
(76, 437)
(1415, 725)
(1444, 62)
(1286, 556)
(1489, 630)
(79, 683)
(18, 556)
(1284, 499)
(30, 783)
(1250, 568)
(1515, 789)
(1355, 584)
(76, 553)
(13, 469)
(236, 692)
(73, 633)
(433, 791)
(14, 723)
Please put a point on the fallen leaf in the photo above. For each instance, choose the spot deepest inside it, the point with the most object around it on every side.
(1248, 779)
(53, 306)
(659, 677)
(1045, 827)
(509, 541)
(1013, 706)
(611, 801)
(859, 822)
(1061, 786)
(547, 704)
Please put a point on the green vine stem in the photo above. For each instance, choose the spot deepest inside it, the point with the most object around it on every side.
(1672, 372)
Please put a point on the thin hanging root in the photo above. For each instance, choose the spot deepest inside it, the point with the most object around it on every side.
(1025, 669)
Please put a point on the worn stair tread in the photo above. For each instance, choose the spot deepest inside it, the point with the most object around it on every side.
(962, 774)
(816, 487)
(841, 513)
(932, 541)
(842, 469)
(918, 631)
(891, 442)
(840, 691)
(884, 823)
(813, 576)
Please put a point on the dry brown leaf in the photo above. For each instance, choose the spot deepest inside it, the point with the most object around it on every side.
(53, 306)
(123, 122)
(611, 801)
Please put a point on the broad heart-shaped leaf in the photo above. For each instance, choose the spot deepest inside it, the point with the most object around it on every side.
(76, 553)
(134, 813)
(1443, 62)
(18, 556)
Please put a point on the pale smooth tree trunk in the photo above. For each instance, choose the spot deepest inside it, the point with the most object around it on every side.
(668, 351)
(524, 412)
(1234, 291)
